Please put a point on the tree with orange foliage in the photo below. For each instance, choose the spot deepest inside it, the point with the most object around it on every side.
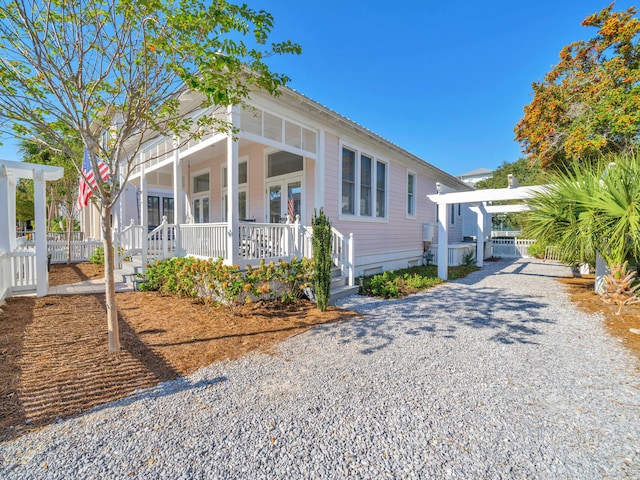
(589, 103)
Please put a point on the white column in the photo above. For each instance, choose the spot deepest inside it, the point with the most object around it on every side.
(480, 213)
(7, 229)
(318, 201)
(144, 214)
(233, 223)
(177, 193)
(40, 216)
(11, 206)
(443, 241)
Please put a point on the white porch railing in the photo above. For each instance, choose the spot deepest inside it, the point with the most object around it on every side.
(206, 240)
(342, 253)
(129, 240)
(161, 242)
(23, 269)
(511, 247)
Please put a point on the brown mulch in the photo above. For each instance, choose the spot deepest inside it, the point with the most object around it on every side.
(63, 274)
(54, 360)
(581, 291)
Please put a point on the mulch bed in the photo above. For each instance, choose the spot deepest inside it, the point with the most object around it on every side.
(54, 360)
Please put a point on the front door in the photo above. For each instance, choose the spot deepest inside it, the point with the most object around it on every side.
(284, 197)
(201, 209)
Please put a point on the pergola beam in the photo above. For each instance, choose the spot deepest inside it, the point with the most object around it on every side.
(479, 199)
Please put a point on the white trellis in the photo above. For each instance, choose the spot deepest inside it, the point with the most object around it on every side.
(478, 200)
(16, 270)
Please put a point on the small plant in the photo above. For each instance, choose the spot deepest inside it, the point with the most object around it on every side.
(469, 259)
(621, 287)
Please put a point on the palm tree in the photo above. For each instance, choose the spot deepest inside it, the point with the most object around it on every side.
(590, 210)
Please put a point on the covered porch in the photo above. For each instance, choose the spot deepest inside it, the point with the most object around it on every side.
(242, 197)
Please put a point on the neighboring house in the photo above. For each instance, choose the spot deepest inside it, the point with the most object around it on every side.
(291, 157)
(475, 176)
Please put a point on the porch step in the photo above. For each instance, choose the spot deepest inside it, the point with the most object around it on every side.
(342, 292)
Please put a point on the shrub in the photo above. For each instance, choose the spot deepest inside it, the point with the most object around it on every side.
(538, 249)
(394, 284)
(322, 258)
(214, 282)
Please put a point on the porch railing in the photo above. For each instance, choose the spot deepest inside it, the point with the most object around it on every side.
(161, 242)
(206, 240)
(342, 253)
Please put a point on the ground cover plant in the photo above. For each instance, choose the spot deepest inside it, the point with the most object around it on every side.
(400, 283)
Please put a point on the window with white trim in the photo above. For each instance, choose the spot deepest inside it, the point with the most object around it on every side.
(363, 185)
(242, 191)
(411, 194)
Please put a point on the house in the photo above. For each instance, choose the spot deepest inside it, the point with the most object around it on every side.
(251, 196)
(475, 176)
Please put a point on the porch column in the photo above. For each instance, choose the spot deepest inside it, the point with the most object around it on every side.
(443, 241)
(40, 216)
(480, 213)
(233, 222)
(144, 214)
(177, 193)
(11, 206)
(7, 229)
(318, 201)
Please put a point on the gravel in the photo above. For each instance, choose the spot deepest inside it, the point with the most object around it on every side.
(493, 376)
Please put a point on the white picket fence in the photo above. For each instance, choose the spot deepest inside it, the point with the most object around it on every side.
(81, 251)
(511, 247)
(23, 269)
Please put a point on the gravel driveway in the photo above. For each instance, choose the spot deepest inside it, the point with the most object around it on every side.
(493, 376)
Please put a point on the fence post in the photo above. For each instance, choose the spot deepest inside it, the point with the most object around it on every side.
(351, 261)
(165, 240)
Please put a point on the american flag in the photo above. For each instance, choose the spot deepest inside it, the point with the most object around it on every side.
(86, 188)
(291, 210)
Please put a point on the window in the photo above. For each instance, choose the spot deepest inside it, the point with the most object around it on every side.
(167, 208)
(348, 181)
(201, 183)
(364, 185)
(153, 209)
(242, 191)
(453, 214)
(411, 194)
(381, 188)
(282, 163)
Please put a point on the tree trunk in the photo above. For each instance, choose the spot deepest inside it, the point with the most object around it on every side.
(109, 282)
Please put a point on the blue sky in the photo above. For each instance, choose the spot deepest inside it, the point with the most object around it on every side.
(445, 80)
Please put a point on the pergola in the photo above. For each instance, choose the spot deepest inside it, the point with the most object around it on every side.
(478, 200)
(10, 172)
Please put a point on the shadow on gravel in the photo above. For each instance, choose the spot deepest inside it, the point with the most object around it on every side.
(180, 384)
(500, 317)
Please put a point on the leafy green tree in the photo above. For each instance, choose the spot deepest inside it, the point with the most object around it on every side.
(526, 174)
(592, 209)
(62, 193)
(114, 72)
(589, 103)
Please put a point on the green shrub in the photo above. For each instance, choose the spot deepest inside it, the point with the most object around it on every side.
(322, 257)
(538, 249)
(214, 282)
(399, 283)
